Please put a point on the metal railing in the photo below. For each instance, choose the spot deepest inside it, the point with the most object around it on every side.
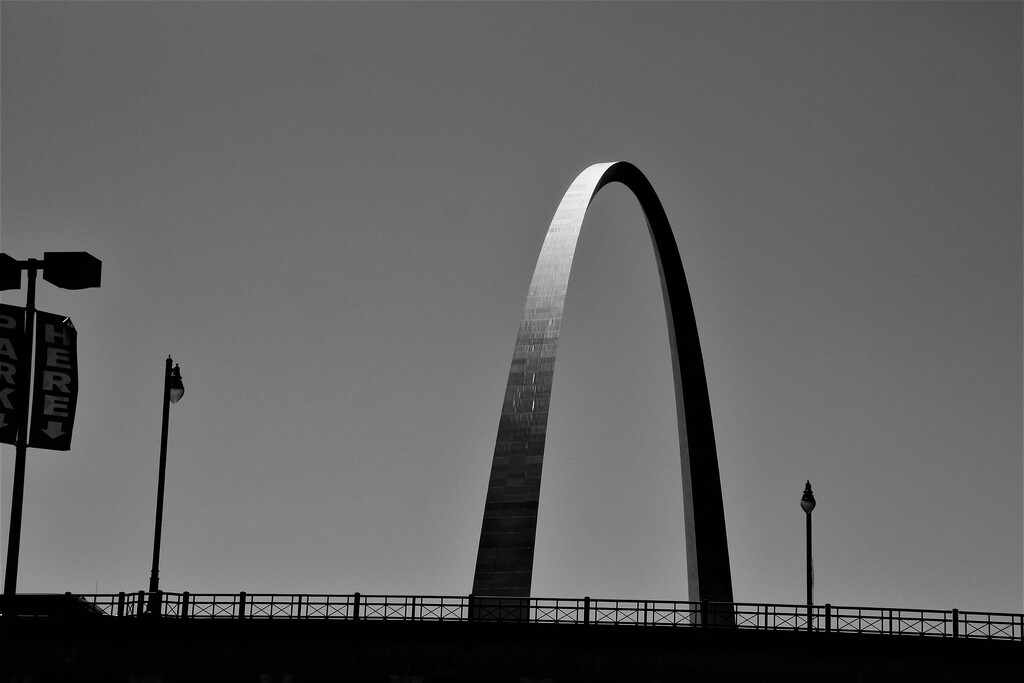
(826, 618)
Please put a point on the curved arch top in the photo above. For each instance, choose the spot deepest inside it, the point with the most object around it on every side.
(504, 565)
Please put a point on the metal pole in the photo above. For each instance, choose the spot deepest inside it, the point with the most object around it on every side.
(18, 495)
(810, 574)
(154, 576)
(810, 568)
(807, 504)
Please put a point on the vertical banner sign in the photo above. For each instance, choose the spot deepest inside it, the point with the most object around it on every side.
(13, 371)
(55, 385)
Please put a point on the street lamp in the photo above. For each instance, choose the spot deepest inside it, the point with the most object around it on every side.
(67, 270)
(807, 504)
(173, 391)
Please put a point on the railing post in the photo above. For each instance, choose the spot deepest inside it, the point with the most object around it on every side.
(184, 605)
(705, 614)
(470, 608)
(241, 605)
(120, 604)
(956, 622)
(828, 617)
(586, 610)
(140, 608)
(355, 606)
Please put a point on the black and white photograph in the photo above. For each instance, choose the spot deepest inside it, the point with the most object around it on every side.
(284, 285)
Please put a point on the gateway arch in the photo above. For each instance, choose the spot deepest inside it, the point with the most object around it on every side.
(504, 565)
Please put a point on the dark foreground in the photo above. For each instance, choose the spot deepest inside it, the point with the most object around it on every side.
(266, 651)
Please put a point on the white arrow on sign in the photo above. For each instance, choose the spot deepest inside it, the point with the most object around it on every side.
(53, 430)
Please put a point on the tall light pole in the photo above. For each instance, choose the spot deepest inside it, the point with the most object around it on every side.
(67, 270)
(807, 504)
(173, 391)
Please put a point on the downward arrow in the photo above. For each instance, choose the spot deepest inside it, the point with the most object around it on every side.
(53, 429)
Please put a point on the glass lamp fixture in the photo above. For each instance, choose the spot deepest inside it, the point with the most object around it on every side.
(176, 389)
(806, 501)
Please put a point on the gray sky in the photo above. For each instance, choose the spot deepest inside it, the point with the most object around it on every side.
(328, 213)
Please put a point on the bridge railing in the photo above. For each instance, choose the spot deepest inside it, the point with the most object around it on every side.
(354, 607)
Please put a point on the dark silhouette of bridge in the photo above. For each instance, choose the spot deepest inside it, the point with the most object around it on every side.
(301, 638)
(953, 624)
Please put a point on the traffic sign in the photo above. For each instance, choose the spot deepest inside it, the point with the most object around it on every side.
(13, 371)
(55, 383)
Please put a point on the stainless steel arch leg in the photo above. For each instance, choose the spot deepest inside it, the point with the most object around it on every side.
(504, 565)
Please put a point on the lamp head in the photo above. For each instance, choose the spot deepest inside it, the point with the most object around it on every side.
(71, 269)
(10, 273)
(807, 500)
(175, 389)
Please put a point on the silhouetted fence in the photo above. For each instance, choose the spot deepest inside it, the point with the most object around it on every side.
(754, 616)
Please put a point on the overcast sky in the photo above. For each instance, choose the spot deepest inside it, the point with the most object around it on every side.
(329, 213)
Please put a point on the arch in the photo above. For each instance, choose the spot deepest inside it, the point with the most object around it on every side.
(504, 565)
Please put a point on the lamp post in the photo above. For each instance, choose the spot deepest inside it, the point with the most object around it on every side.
(173, 391)
(807, 504)
(67, 270)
